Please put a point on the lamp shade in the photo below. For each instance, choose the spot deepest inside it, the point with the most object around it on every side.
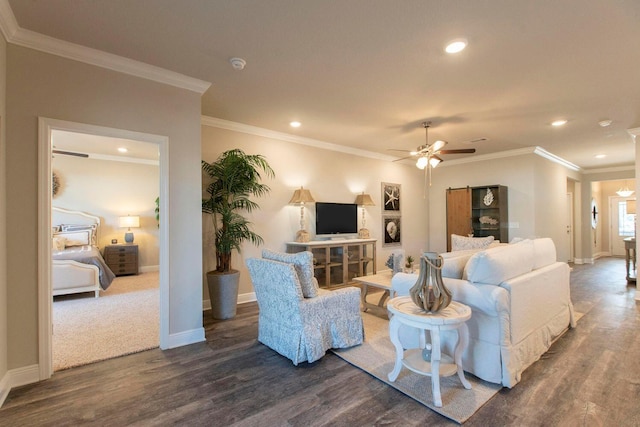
(302, 196)
(631, 207)
(129, 221)
(364, 200)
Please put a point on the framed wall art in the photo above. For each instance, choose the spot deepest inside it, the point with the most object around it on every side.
(390, 198)
(391, 230)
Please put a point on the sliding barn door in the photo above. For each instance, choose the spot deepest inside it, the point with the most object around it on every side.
(458, 213)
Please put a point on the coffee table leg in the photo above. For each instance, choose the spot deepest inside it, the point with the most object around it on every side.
(436, 355)
(363, 297)
(463, 342)
(394, 326)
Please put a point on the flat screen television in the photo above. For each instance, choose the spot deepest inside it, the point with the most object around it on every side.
(336, 218)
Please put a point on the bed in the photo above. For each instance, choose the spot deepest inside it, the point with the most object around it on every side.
(77, 265)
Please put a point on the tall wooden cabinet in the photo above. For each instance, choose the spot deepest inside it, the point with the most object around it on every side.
(481, 211)
(337, 262)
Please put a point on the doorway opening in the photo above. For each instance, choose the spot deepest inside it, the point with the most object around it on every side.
(46, 128)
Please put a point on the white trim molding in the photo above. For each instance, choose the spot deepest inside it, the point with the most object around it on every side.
(16, 378)
(242, 299)
(185, 338)
(14, 34)
(281, 136)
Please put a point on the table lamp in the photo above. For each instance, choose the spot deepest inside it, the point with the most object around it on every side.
(129, 221)
(364, 200)
(302, 196)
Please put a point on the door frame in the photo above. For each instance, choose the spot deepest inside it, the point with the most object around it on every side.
(45, 294)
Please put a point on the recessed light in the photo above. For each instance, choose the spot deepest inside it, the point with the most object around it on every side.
(455, 46)
(295, 124)
(122, 150)
(605, 123)
(561, 122)
(600, 156)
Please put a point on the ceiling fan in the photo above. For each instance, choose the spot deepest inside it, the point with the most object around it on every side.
(69, 153)
(428, 155)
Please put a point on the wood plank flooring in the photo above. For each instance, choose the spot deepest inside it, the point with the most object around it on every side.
(590, 377)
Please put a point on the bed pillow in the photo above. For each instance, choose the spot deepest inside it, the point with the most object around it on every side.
(463, 243)
(303, 263)
(91, 228)
(58, 243)
(75, 238)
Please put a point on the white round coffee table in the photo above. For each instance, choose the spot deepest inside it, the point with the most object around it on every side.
(403, 311)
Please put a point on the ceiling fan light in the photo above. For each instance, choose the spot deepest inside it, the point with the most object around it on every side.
(434, 161)
(422, 162)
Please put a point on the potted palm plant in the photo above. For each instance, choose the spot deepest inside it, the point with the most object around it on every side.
(234, 177)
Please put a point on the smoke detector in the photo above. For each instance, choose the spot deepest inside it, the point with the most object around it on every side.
(238, 63)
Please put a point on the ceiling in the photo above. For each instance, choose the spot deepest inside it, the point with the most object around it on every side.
(367, 73)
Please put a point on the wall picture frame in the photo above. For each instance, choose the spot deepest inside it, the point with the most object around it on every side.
(390, 198)
(391, 230)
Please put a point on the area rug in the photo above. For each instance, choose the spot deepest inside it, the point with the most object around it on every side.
(377, 355)
(123, 320)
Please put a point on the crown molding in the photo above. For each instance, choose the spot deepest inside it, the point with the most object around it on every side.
(258, 131)
(254, 130)
(512, 153)
(14, 34)
(611, 169)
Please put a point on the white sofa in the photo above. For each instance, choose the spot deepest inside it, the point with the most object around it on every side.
(520, 302)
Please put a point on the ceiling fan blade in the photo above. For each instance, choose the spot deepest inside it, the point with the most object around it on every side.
(69, 153)
(396, 149)
(437, 146)
(458, 151)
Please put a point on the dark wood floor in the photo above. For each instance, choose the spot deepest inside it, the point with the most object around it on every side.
(590, 377)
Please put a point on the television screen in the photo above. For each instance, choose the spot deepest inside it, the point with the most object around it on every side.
(336, 218)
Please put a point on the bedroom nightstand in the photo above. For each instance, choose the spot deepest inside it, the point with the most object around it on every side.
(122, 259)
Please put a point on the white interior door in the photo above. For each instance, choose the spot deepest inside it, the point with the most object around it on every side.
(621, 225)
(569, 222)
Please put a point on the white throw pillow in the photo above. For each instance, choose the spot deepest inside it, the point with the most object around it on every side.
(462, 243)
(75, 238)
(454, 263)
(303, 263)
(58, 243)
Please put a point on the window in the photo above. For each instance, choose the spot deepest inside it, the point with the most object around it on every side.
(626, 222)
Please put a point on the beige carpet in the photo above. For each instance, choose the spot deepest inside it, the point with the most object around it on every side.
(123, 320)
(377, 357)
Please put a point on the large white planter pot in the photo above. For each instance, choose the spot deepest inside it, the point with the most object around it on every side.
(223, 293)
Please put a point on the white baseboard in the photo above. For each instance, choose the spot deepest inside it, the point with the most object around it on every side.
(584, 261)
(242, 299)
(149, 268)
(184, 338)
(245, 298)
(5, 388)
(17, 377)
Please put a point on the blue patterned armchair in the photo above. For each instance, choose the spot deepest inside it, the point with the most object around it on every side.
(298, 327)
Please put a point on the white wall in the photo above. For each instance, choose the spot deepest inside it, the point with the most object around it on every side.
(110, 189)
(536, 191)
(331, 177)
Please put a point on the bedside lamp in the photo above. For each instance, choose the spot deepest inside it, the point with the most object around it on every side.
(364, 200)
(302, 196)
(129, 221)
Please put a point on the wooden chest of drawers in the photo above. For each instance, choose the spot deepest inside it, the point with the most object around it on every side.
(122, 259)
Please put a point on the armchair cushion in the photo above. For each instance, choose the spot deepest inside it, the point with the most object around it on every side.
(303, 263)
